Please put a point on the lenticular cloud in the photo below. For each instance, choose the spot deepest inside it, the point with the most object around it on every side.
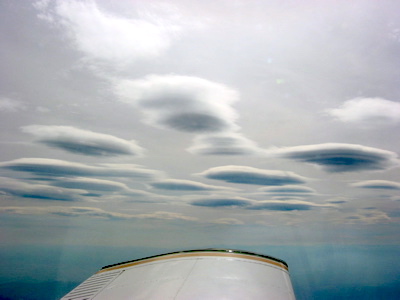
(182, 103)
(224, 144)
(84, 142)
(249, 175)
(341, 157)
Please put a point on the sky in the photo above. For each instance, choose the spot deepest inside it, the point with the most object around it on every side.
(269, 126)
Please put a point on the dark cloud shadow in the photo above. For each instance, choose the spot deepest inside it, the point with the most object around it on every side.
(195, 122)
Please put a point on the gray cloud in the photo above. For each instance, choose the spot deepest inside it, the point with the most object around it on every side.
(66, 212)
(377, 184)
(76, 211)
(194, 122)
(288, 189)
(224, 144)
(185, 185)
(165, 215)
(286, 205)
(61, 168)
(90, 184)
(108, 186)
(10, 105)
(181, 103)
(23, 189)
(372, 217)
(222, 202)
(371, 111)
(341, 157)
(228, 221)
(275, 205)
(80, 141)
(249, 175)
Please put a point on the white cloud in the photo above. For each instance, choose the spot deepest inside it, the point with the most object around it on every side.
(372, 111)
(108, 37)
(181, 103)
(224, 144)
(335, 157)
(84, 142)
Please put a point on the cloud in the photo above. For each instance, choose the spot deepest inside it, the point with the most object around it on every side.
(165, 215)
(373, 217)
(65, 212)
(341, 157)
(9, 105)
(38, 191)
(93, 184)
(372, 111)
(286, 205)
(224, 144)
(60, 168)
(106, 37)
(249, 175)
(228, 221)
(275, 205)
(181, 103)
(77, 211)
(90, 184)
(377, 184)
(222, 202)
(185, 185)
(84, 142)
(288, 189)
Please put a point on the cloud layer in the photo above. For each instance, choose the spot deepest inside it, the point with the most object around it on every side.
(184, 185)
(222, 202)
(181, 103)
(84, 142)
(368, 111)
(275, 205)
(249, 175)
(23, 189)
(77, 211)
(377, 184)
(341, 157)
(285, 205)
(60, 168)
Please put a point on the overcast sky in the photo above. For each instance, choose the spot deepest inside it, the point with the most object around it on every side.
(198, 123)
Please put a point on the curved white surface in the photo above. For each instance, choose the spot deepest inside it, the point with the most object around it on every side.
(190, 277)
